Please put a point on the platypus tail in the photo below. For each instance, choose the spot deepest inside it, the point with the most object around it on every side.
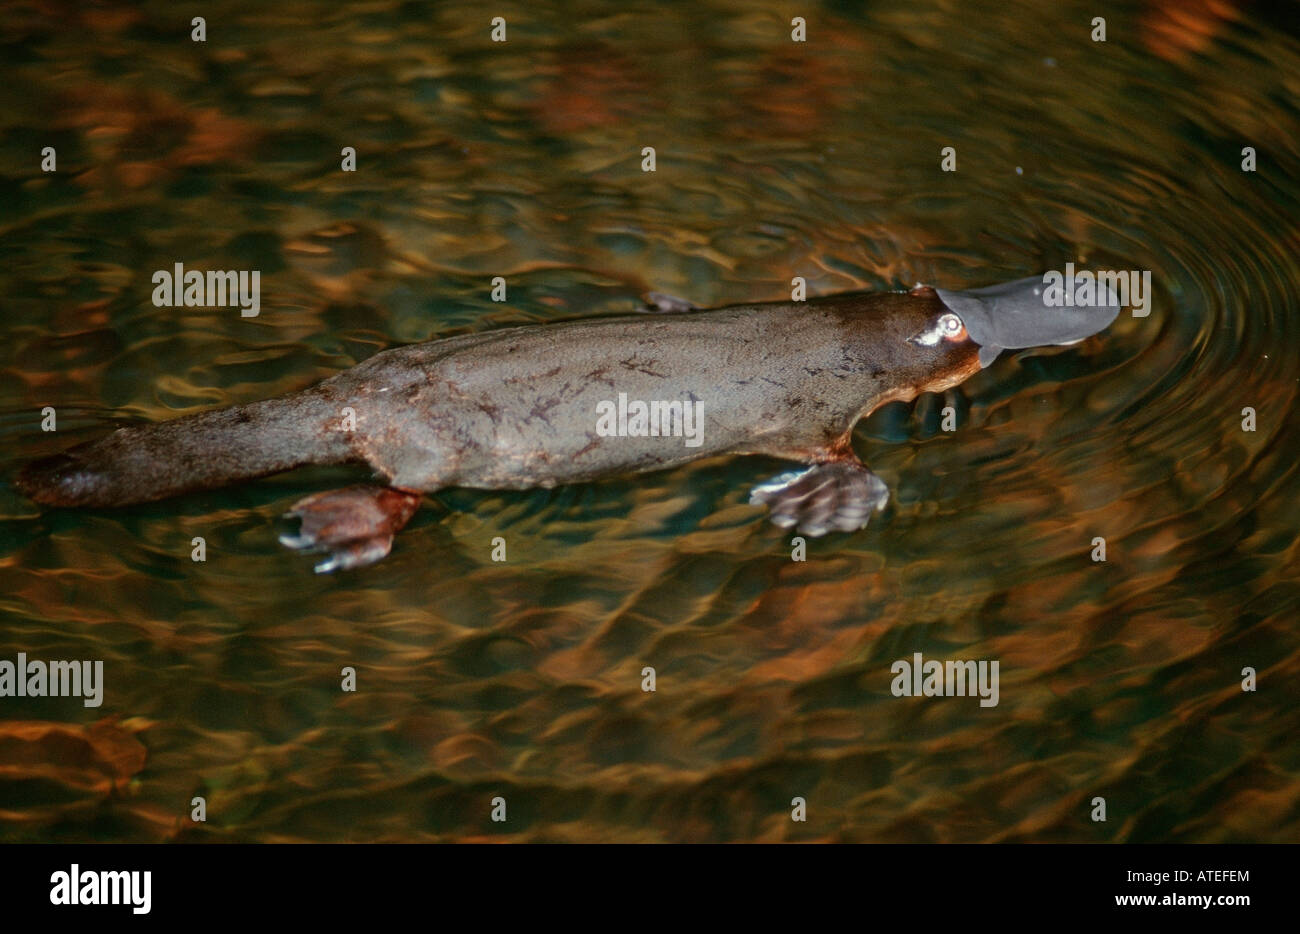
(197, 452)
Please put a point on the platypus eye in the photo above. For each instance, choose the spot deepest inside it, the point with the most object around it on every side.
(949, 327)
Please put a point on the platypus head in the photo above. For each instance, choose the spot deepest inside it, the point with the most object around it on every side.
(1024, 313)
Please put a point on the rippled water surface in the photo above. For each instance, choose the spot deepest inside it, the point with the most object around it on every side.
(775, 159)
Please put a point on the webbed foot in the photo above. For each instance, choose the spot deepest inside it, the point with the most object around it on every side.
(838, 496)
(355, 525)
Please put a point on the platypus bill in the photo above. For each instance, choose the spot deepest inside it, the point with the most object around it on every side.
(523, 407)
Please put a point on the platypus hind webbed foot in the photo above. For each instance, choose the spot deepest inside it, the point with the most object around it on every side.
(355, 525)
(839, 496)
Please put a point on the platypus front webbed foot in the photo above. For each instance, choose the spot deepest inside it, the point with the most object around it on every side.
(838, 496)
(355, 525)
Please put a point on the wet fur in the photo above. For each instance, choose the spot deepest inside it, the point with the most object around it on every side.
(516, 408)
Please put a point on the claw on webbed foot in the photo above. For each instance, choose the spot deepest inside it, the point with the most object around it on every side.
(839, 496)
(355, 525)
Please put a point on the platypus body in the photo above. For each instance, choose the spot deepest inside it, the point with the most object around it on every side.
(549, 404)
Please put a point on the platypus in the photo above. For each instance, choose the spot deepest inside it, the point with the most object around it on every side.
(533, 406)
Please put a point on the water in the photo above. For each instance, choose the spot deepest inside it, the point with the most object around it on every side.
(774, 159)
